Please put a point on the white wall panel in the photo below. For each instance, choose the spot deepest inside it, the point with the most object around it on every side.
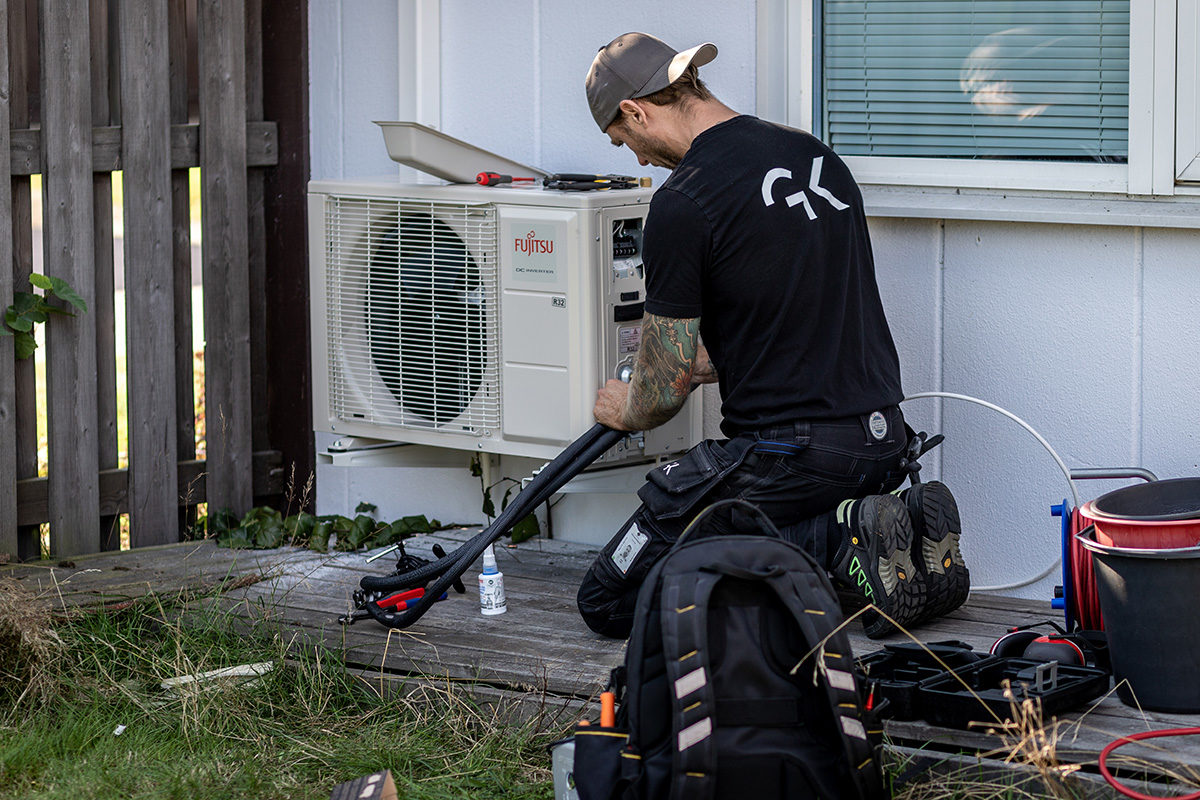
(573, 31)
(1033, 313)
(490, 83)
(325, 88)
(517, 88)
(353, 80)
(1170, 403)
(908, 270)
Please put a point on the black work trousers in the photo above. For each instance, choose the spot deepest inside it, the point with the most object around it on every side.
(797, 473)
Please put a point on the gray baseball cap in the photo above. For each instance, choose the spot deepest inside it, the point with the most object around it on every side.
(634, 65)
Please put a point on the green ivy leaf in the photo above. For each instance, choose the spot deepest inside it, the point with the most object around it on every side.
(40, 281)
(365, 508)
(318, 540)
(24, 302)
(418, 524)
(220, 521)
(526, 529)
(236, 539)
(63, 290)
(359, 530)
(16, 322)
(25, 345)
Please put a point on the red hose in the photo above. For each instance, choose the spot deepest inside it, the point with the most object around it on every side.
(1137, 737)
(1083, 574)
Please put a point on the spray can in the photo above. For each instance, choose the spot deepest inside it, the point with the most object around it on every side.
(491, 586)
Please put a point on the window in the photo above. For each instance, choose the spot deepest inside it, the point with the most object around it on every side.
(1028, 95)
(1187, 142)
(975, 79)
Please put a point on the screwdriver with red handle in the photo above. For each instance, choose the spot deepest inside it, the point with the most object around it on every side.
(494, 178)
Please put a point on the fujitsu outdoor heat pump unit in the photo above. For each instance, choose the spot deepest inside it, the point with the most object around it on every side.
(471, 317)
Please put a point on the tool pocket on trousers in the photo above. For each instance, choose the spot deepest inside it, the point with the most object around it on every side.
(675, 488)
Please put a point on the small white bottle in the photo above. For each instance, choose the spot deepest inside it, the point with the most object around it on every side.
(491, 586)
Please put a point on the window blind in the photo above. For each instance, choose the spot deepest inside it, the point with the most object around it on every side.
(1009, 79)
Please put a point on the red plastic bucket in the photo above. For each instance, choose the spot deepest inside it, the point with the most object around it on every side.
(1161, 514)
(1113, 532)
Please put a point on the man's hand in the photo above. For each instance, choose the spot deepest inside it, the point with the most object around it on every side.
(610, 405)
(703, 370)
(662, 377)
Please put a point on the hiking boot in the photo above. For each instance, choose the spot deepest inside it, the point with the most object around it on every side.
(875, 561)
(935, 522)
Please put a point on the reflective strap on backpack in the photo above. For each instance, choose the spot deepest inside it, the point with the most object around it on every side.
(684, 631)
(684, 621)
(836, 669)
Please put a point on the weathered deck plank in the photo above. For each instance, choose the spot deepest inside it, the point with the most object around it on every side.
(541, 646)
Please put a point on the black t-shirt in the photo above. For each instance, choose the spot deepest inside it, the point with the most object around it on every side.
(760, 232)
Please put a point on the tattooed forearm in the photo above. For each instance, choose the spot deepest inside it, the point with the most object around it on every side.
(663, 374)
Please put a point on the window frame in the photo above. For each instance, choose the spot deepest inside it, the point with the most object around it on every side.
(788, 46)
(1187, 118)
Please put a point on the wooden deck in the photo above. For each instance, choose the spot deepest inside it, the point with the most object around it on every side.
(540, 648)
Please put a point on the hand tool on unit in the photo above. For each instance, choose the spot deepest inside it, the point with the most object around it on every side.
(494, 178)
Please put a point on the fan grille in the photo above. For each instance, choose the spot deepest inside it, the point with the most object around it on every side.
(412, 314)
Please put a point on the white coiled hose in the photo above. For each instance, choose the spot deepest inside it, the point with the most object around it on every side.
(1041, 440)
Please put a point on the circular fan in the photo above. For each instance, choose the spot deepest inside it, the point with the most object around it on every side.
(424, 319)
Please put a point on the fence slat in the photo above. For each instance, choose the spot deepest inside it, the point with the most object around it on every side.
(104, 311)
(224, 252)
(257, 232)
(285, 101)
(22, 33)
(8, 381)
(181, 258)
(67, 231)
(114, 487)
(261, 147)
(149, 282)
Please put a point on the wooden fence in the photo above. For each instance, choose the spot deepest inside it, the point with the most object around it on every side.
(152, 88)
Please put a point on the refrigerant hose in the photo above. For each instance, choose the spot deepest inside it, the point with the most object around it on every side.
(1041, 440)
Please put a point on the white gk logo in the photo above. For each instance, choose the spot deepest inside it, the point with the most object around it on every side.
(814, 181)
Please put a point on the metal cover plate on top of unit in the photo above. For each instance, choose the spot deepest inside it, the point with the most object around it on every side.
(438, 154)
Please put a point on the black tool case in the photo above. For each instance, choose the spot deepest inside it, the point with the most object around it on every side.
(895, 673)
(945, 700)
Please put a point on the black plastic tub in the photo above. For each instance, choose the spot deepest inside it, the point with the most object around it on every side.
(1178, 498)
(995, 683)
(1150, 599)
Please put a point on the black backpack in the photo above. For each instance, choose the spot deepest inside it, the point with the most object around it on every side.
(736, 684)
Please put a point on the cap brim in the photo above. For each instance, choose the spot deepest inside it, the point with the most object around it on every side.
(670, 72)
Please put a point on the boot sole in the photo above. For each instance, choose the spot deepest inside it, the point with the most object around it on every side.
(905, 592)
(938, 527)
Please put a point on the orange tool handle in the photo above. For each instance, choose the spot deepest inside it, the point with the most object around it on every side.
(608, 710)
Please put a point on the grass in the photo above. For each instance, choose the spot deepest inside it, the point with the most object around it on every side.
(302, 728)
(69, 682)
